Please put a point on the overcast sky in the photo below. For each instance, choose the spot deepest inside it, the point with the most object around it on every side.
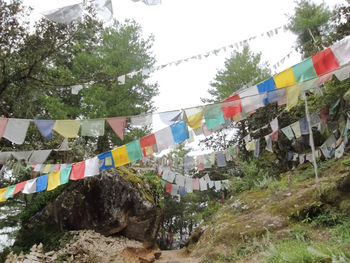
(184, 28)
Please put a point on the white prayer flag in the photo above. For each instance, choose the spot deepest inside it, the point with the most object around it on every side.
(171, 176)
(203, 184)
(92, 167)
(217, 185)
(30, 187)
(180, 180)
(274, 124)
(16, 130)
(66, 14)
(189, 185)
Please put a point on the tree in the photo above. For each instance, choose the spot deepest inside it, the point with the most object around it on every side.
(242, 69)
(309, 23)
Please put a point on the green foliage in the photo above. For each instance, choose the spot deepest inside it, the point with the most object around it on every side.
(241, 70)
(309, 23)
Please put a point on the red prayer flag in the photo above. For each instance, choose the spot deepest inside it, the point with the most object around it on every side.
(118, 125)
(168, 187)
(146, 143)
(78, 171)
(232, 106)
(324, 62)
(3, 124)
(56, 167)
(274, 136)
(195, 182)
(19, 187)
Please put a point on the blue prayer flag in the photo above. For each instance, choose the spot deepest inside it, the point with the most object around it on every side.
(45, 127)
(106, 160)
(304, 127)
(179, 131)
(41, 183)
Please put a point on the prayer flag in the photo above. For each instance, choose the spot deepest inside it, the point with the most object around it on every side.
(45, 127)
(309, 84)
(296, 129)
(200, 162)
(141, 120)
(285, 78)
(232, 106)
(203, 184)
(134, 151)
(67, 128)
(182, 191)
(341, 50)
(314, 119)
(266, 85)
(39, 156)
(93, 128)
(174, 189)
(288, 132)
(120, 156)
(274, 124)
(106, 160)
(324, 62)
(92, 167)
(2, 194)
(171, 176)
(65, 174)
(164, 139)
(217, 185)
(293, 93)
(194, 117)
(343, 73)
(324, 113)
(220, 159)
(189, 163)
(118, 125)
(16, 130)
(148, 145)
(274, 136)
(189, 184)
(29, 187)
(247, 138)
(10, 191)
(304, 70)
(3, 124)
(325, 78)
(54, 180)
(22, 155)
(213, 116)
(170, 117)
(211, 184)
(179, 131)
(168, 187)
(195, 183)
(250, 146)
(207, 163)
(78, 171)
(212, 158)
(268, 143)
(252, 103)
(66, 14)
(180, 180)
(46, 168)
(304, 127)
(275, 95)
(257, 147)
(19, 187)
(205, 130)
(301, 158)
(339, 151)
(56, 167)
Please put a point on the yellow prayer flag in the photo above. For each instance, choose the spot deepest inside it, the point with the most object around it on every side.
(120, 156)
(54, 180)
(194, 117)
(47, 168)
(292, 94)
(2, 193)
(67, 128)
(250, 146)
(285, 78)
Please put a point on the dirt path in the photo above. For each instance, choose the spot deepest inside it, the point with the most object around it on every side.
(175, 256)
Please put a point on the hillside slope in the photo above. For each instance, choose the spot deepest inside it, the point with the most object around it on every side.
(265, 225)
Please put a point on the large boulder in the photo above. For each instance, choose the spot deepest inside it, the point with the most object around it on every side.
(116, 202)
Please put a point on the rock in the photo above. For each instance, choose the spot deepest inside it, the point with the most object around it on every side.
(115, 202)
(157, 254)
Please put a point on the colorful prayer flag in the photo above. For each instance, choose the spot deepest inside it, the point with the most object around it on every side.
(304, 70)
(19, 187)
(41, 183)
(285, 78)
(65, 174)
(194, 117)
(29, 187)
(106, 160)
(148, 145)
(179, 131)
(120, 156)
(10, 191)
(293, 93)
(94, 127)
(54, 180)
(78, 171)
(232, 106)
(324, 62)
(45, 127)
(92, 167)
(134, 151)
(341, 50)
(2, 194)
(118, 125)
(266, 85)
(67, 128)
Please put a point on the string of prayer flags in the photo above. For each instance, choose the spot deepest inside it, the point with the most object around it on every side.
(292, 95)
(10, 191)
(67, 128)
(45, 127)
(180, 132)
(94, 128)
(141, 120)
(118, 125)
(120, 156)
(304, 70)
(16, 130)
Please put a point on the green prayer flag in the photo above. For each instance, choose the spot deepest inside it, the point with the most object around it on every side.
(333, 106)
(162, 182)
(65, 173)
(10, 191)
(93, 128)
(134, 150)
(304, 70)
(213, 116)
